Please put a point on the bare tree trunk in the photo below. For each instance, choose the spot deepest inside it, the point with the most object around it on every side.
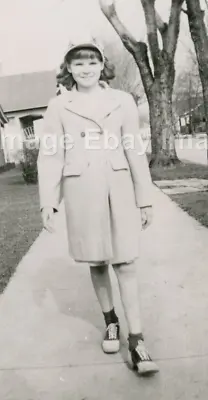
(162, 128)
(200, 39)
(157, 81)
(159, 91)
(161, 117)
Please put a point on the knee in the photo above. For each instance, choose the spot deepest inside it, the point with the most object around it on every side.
(98, 270)
(125, 269)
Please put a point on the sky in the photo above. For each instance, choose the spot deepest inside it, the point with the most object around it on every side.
(34, 33)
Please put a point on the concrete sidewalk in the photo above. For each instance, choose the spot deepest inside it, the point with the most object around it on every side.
(51, 325)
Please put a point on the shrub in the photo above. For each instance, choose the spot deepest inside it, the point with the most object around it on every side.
(29, 164)
(7, 167)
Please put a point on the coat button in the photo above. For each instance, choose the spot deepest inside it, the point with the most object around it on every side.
(82, 134)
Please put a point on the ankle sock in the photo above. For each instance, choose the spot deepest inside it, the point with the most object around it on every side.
(133, 340)
(110, 317)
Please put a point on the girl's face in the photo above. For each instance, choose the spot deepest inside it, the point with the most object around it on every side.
(86, 71)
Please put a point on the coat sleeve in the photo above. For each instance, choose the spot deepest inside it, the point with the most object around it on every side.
(135, 154)
(51, 158)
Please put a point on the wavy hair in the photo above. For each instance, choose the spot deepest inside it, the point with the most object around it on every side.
(66, 79)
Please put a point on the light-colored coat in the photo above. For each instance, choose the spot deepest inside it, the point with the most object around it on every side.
(103, 188)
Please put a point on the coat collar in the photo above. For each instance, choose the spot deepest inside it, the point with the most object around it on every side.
(109, 103)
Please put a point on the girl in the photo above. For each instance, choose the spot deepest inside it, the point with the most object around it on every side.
(99, 164)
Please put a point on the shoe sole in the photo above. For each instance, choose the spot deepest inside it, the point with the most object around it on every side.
(147, 368)
(111, 347)
(144, 368)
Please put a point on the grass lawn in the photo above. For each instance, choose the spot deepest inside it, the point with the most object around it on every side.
(20, 221)
(196, 205)
(180, 171)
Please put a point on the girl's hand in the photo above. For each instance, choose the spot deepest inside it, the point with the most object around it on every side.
(48, 219)
(146, 216)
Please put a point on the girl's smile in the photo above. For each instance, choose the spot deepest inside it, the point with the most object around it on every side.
(86, 72)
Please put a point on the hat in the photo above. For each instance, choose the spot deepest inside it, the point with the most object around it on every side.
(92, 43)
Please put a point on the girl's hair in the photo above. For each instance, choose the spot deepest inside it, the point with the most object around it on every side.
(65, 78)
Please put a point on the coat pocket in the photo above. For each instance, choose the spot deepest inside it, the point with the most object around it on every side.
(119, 162)
(74, 168)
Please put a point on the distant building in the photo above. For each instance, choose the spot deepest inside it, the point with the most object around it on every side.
(191, 115)
(193, 120)
(24, 99)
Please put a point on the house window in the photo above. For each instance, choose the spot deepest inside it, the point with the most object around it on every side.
(29, 132)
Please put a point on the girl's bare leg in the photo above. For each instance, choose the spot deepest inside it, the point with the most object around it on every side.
(102, 285)
(138, 355)
(103, 289)
(127, 280)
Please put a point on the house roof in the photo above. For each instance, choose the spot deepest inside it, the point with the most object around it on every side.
(27, 91)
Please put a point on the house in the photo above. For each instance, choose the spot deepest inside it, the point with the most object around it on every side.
(191, 114)
(24, 99)
(193, 120)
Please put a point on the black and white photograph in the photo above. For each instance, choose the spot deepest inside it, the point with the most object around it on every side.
(103, 199)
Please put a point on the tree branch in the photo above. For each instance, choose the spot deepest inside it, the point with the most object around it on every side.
(137, 49)
(151, 22)
(173, 27)
(161, 25)
(109, 10)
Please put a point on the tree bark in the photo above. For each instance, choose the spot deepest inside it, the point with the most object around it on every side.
(200, 39)
(157, 81)
(161, 123)
(159, 95)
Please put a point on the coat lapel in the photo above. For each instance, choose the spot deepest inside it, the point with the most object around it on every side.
(109, 103)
